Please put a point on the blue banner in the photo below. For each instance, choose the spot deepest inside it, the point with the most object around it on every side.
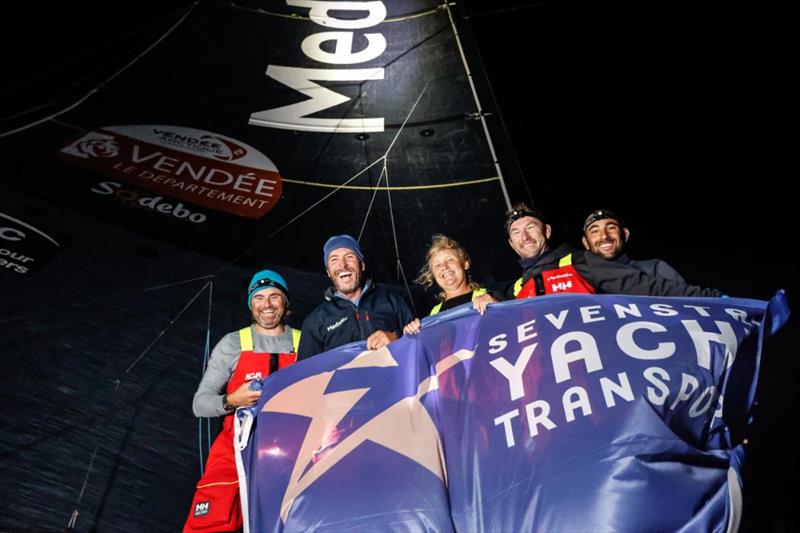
(559, 413)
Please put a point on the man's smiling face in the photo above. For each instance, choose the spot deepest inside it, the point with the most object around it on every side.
(528, 236)
(345, 269)
(606, 238)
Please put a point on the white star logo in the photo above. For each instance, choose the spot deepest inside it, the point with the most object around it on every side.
(404, 427)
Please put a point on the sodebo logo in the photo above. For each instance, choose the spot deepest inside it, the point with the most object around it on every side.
(134, 198)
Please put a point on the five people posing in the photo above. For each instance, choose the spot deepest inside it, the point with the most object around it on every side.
(355, 308)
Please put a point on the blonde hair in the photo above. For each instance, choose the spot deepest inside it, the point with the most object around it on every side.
(439, 243)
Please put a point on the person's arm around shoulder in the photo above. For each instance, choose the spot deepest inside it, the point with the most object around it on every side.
(608, 277)
(665, 270)
(207, 400)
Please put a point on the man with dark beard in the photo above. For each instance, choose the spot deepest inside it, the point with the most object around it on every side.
(355, 308)
(565, 269)
(606, 235)
(251, 353)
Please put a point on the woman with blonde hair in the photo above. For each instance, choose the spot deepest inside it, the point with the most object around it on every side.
(448, 266)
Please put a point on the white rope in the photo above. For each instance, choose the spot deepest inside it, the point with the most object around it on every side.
(385, 172)
(206, 357)
(304, 212)
(374, 194)
(408, 116)
(78, 56)
(74, 517)
(334, 191)
(171, 323)
(102, 84)
(210, 285)
(3, 321)
(157, 287)
(396, 247)
(67, 124)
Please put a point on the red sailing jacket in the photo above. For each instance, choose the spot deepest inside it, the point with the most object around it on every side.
(562, 279)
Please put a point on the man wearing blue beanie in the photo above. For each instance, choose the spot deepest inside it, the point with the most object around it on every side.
(265, 346)
(355, 308)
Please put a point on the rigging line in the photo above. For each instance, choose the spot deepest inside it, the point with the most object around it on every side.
(324, 198)
(394, 236)
(49, 103)
(295, 16)
(367, 155)
(202, 373)
(11, 319)
(403, 125)
(200, 444)
(337, 188)
(374, 77)
(505, 10)
(480, 109)
(374, 194)
(343, 185)
(102, 84)
(68, 125)
(400, 188)
(385, 172)
(157, 287)
(64, 95)
(95, 49)
(168, 326)
(74, 517)
(297, 217)
(207, 355)
(356, 102)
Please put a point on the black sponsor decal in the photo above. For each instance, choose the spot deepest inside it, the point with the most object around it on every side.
(24, 248)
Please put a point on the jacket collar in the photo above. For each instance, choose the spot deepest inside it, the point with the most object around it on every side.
(332, 294)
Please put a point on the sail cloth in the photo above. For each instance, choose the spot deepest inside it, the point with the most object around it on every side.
(562, 413)
(263, 128)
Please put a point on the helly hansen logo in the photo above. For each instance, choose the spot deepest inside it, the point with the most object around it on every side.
(202, 508)
(561, 286)
(337, 324)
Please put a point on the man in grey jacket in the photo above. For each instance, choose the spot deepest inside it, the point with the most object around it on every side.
(605, 234)
(252, 353)
(269, 334)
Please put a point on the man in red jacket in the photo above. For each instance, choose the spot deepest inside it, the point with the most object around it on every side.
(566, 269)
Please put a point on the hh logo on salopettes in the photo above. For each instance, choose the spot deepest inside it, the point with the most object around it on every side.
(196, 166)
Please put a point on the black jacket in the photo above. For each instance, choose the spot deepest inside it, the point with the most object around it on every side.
(652, 267)
(608, 277)
(338, 321)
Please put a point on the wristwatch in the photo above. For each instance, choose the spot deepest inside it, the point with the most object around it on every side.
(225, 405)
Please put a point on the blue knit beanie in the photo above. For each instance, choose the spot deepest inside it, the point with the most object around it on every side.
(264, 280)
(341, 241)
